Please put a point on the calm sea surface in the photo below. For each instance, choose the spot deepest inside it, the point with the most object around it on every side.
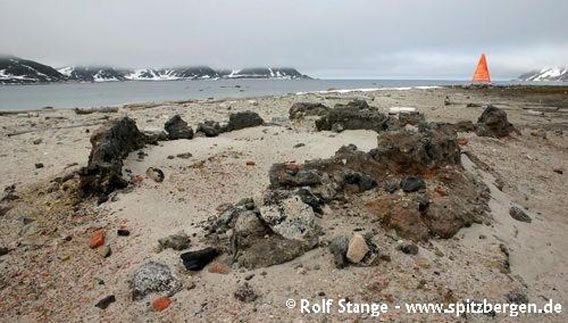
(71, 95)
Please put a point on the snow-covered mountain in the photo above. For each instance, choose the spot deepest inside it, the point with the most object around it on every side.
(14, 70)
(548, 74)
(93, 74)
(265, 73)
(18, 71)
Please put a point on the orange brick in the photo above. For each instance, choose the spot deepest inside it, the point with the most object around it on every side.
(97, 239)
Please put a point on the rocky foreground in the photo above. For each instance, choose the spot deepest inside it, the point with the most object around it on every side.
(223, 210)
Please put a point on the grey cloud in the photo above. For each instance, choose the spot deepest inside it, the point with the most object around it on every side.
(327, 38)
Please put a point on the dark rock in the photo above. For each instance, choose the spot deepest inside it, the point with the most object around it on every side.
(4, 251)
(177, 128)
(284, 175)
(493, 122)
(178, 241)
(518, 214)
(417, 152)
(412, 184)
(105, 302)
(153, 277)
(473, 105)
(298, 145)
(209, 128)
(39, 165)
(111, 144)
(392, 186)
(558, 171)
(408, 248)
(241, 120)
(517, 297)
(362, 181)
(155, 174)
(338, 248)
(302, 109)
(245, 293)
(197, 260)
(355, 116)
(123, 232)
(184, 155)
(411, 118)
(447, 100)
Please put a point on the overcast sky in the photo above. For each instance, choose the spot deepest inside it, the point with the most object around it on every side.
(323, 38)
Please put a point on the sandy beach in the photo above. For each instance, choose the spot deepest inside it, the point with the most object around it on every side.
(48, 271)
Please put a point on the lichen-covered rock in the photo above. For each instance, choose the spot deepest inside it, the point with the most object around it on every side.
(177, 128)
(153, 277)
(302, 109)
(338, 248)
(493, 122)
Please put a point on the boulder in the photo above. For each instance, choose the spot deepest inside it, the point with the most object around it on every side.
(412, 184)
(353, 116)
(302, 109)
(156, 174)
(209, 128)
(111, 144)
(292, 219)
(153, 277)
(283, 175)
(241, 120)
(357, 249)
(493, 122)
(177, 128)
(417, 152)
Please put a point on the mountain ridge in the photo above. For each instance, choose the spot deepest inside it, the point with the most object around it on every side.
(547, 74)
(15, 70)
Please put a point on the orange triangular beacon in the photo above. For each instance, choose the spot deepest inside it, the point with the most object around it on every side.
(481, 74)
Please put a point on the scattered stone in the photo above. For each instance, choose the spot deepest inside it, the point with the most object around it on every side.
(177, 128)
(37, 141)
(178, 241)
(245, 293)
(161, 303)
(338, 248)
(493, 122)
(408, 247)
(250, 163)
(447, 101)
(4, 251)
(558, 171)
(357, 249)
(197, 260)
(412, 184)
(105, 251)
(518, 214)
(184, 155)
(298, 145)
(302, 109)
(209, 128)
(153, 277)
(38, 165)
(155, 174)
(111, 144)
(241, 120)
(123, 232)
(517, 297)
(249, 277)
(473, 105)
(171, 157)
(97, 239)
(105, 302)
